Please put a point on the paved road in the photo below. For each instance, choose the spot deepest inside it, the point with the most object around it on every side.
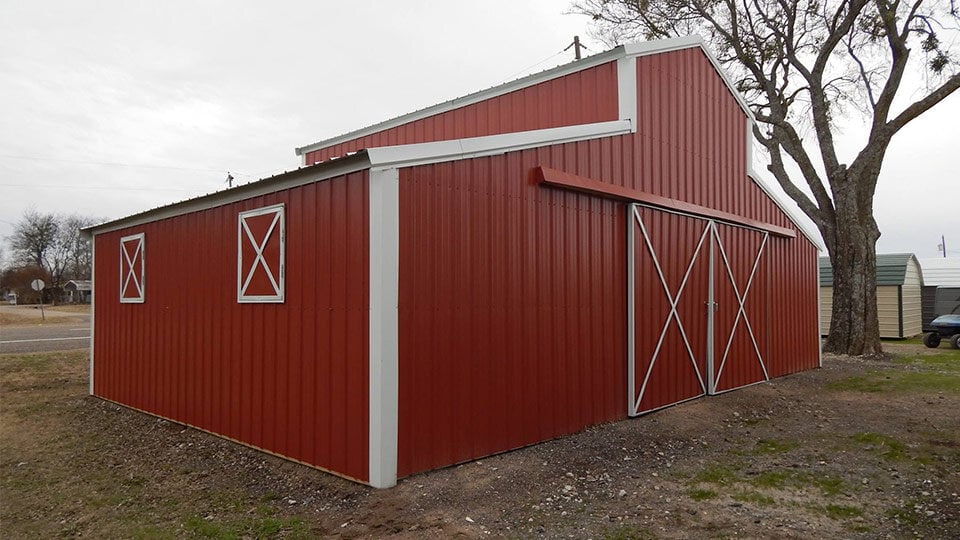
(37, 338)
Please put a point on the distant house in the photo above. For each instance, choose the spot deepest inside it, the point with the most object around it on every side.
(941, 288)
(77, 291)
(899, 281)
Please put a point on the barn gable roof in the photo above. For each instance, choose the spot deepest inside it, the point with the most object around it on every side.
(445, 150)
(630, 50)
(891, 269)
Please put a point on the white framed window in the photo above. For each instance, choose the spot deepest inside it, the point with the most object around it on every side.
(132, 263)
(260, 255)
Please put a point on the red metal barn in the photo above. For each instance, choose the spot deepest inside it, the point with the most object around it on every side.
(575, 247)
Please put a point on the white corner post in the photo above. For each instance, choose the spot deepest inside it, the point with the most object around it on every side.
(93, 299)
(631, 311)
(627, 90)
(384, 210)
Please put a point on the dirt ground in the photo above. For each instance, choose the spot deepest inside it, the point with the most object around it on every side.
(858, 449)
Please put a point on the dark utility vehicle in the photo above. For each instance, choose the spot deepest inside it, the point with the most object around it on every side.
(944, 327)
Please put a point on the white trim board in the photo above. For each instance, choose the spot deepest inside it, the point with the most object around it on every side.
(384, 333)
(409, 155)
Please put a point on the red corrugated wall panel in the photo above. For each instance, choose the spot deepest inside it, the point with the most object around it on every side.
(583, 97)
(290, 378)
(511, 310)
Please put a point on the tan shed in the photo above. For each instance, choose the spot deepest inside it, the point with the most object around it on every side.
(899, 282)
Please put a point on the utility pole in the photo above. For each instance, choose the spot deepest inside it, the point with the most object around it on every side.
(943, 246)
(576, 47)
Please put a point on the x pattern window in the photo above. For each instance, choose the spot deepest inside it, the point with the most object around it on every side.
(131, 269)
(260, 255)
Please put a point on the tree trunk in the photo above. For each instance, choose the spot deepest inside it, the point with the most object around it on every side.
(854, 327)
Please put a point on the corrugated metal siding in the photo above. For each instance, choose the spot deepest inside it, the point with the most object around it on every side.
(673, 375)
(943, 272)
(583, 97)
(791, 342)
(736, 358)
(512, 302)
(691, 138)
(290, 378)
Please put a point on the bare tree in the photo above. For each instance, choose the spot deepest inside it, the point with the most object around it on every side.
(53, 243)
(801, 63)
(34, 237)
(79, 254)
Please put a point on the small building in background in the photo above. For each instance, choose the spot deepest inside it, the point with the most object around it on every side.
(77, 291)
(899, 282)
(941, 288)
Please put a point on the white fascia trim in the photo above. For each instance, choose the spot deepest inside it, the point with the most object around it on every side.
(262, 187)
(469, 99)
(782, 205)
(645, 48)
(627, 90)
(409, 155)
(93, 311)
(384, 216)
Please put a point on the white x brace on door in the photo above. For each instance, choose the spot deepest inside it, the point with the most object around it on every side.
(690, 330)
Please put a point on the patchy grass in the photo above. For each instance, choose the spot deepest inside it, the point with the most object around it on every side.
(717, 474)
(773, 446)
(888, 447)
(788, 478)
(839, 511)
(263, 525)
(945, 360)
(906, 515)
(627, 532)
(754, 497)
(899, 381)
(699, 494)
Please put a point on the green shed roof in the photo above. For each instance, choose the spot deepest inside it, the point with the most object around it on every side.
(891, 269)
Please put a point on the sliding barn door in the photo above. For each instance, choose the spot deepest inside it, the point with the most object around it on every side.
(669, 285)
(740, 315)
(697, 310)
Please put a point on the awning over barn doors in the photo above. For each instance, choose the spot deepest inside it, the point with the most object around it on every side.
(695, 318)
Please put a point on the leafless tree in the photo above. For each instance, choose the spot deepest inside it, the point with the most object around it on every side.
(53, 243)
(802, 64)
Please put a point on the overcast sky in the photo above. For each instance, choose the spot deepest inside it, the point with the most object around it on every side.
(111, 108)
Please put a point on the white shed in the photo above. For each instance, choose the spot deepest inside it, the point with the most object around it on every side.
(899, 282)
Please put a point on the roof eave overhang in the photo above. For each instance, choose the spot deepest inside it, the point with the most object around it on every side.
(407, 155)
(287, 180)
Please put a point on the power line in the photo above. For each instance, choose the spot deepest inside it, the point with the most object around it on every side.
(113, 164)
(524, 70)
(112, 188)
